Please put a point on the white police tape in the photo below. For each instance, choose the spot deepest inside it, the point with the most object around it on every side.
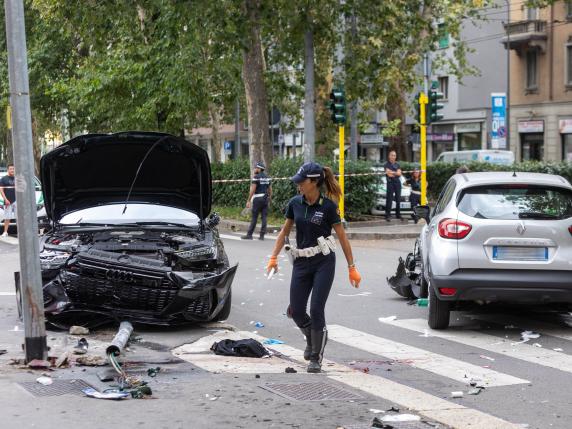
(289, 178)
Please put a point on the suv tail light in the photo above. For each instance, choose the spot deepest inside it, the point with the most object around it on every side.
(454, 229)
(570, 229)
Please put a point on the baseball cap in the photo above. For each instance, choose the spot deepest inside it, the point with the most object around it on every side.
(310, 170)
(260, 165)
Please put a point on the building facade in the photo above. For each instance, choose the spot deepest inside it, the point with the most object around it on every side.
(540, 111)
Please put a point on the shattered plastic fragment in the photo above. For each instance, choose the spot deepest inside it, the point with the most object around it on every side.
(290, 370)
(529, 335)
(259, 325)
(558, 349)
(375, 411)
(487, 358)
(152, 372)
(46, 381)
(92, 393)
(475, 391)
(272, 341)
(401, 418)
(537, 345)
(457, 394)
(387, 319)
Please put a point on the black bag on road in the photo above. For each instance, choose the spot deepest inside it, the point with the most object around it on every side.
(244, 348)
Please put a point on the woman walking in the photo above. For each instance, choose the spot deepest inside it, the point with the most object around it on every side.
(315, 214)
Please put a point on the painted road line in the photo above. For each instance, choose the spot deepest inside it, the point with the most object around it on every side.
(542, 328)
(7, 293)
(237, 237)
(491, 343)
(438, 364)
(432, 407)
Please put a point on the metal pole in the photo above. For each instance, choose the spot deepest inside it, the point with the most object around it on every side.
(423, 100)
(309, 103)
(237, 129)
(426, 73)
(342, 171)
(30, 277)
(354, 103)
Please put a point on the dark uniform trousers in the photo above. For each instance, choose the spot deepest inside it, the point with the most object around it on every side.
(393, 194)
(311, 275)
(259, 206)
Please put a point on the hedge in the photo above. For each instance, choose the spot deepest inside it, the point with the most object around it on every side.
(360, 190)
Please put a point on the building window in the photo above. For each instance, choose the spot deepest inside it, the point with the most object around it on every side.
(569, 65)
(443, 35)
(532, 147)
(531, 13)
(567, 147)
(569, 9)
(444, 86)
(531, 69)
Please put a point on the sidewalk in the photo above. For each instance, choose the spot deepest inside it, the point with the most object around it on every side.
(363, 230)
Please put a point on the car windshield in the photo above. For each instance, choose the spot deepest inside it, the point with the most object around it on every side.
(521, 201)
(147, 213)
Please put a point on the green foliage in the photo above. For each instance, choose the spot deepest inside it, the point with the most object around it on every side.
(360, 190)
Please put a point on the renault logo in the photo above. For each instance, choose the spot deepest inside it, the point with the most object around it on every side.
(521, 228)
(119, 276)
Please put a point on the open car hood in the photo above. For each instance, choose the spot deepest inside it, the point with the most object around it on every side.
(95, 169)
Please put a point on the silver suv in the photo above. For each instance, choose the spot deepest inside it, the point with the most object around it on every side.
(497, 236)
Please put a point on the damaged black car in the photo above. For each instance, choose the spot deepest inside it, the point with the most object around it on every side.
(131, 236)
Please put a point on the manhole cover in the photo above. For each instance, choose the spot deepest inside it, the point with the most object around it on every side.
(57, 388)
(311, 392)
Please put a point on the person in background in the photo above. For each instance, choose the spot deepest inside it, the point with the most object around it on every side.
(415, 197)
(315, 213)
(8, 192)
(258, 200)
(393, 173)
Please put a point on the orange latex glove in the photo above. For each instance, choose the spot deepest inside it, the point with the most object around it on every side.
(272, 263)
(355, 277)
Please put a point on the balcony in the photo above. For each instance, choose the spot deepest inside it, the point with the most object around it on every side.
(524, 34)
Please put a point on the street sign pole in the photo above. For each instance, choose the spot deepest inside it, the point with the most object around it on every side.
(342, 169)
(423, 100)
(30, 277)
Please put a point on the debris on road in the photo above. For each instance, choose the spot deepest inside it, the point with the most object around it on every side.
(476, 390)
(259, 325)
(3, 351)
(78, 330)
(106, 375)
(89, 360)
(272, 341)
(558, 349)
(152, 372)
(529, 335)
(375, 411)
(244, 348)
(110, 394)
(141, 392)
(387, 319)
(44, 380)
(487, 358)
(81, 347)
(290, 370)
(457, 394)
(39, 364)
(62, 360)
(401, 418)
(537, 345)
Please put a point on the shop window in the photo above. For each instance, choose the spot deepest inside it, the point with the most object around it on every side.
(469, 141)
(567, 147)
(569, 65)
(532, 147)
(569, 9)
(443, 35)
(444, 86)
(531, 69)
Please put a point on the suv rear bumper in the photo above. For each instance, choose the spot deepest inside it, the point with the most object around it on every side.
(518, 286)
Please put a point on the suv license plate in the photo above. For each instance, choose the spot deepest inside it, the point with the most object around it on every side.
(516, 253)
(406, 205)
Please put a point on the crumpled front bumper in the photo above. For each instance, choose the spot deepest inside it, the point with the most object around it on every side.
(174, 298)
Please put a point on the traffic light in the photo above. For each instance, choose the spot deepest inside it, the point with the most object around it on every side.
(338, 106)
(434, 106)
(417, 110)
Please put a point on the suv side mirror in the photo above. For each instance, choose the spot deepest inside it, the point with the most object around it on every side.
(422, 212)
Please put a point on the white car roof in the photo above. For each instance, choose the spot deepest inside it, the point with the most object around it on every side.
(506, 177)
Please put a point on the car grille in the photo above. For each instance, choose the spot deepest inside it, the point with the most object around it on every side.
(97, 292)
(200, 307)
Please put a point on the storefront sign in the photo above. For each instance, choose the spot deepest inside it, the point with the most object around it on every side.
(440, 137)
(498, 126)
(371, 138)
(530, 127)
(565, 126)
(468, 128)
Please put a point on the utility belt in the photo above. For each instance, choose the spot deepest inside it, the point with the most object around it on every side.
(325, 246)
(257, 196)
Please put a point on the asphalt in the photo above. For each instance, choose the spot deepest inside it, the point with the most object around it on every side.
(363, 230)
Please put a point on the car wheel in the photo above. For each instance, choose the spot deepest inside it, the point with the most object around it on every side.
(225, 311)
(439, 311)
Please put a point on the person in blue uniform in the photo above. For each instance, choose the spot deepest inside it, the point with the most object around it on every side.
(315, 213)
(393, 174)
(415, 197)
(258, 201)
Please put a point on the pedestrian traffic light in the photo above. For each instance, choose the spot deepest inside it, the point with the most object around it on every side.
(417, 109)
(433, 107)
(338, 106)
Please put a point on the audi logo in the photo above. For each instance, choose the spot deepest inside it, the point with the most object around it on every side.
(119, 276)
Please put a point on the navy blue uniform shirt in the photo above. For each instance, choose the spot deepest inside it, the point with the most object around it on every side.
(393, 167)
(312, 221)
(262, 182)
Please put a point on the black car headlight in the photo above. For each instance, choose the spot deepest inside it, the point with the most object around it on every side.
(197, 253)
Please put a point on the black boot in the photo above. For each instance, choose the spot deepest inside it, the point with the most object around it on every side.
(308, 334)
(261, 237)
(319, 340)
(246, 237)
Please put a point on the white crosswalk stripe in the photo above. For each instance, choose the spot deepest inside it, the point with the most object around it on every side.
(523, 351)
(429, 406)
(419, 358)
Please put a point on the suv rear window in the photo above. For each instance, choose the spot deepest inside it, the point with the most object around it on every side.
(521, 201)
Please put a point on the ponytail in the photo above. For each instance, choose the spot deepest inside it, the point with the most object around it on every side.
(333, 190)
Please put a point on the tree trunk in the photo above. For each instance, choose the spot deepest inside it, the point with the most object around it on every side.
(309, 101)
(396, 110)
(215, 126)
(255, 88)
